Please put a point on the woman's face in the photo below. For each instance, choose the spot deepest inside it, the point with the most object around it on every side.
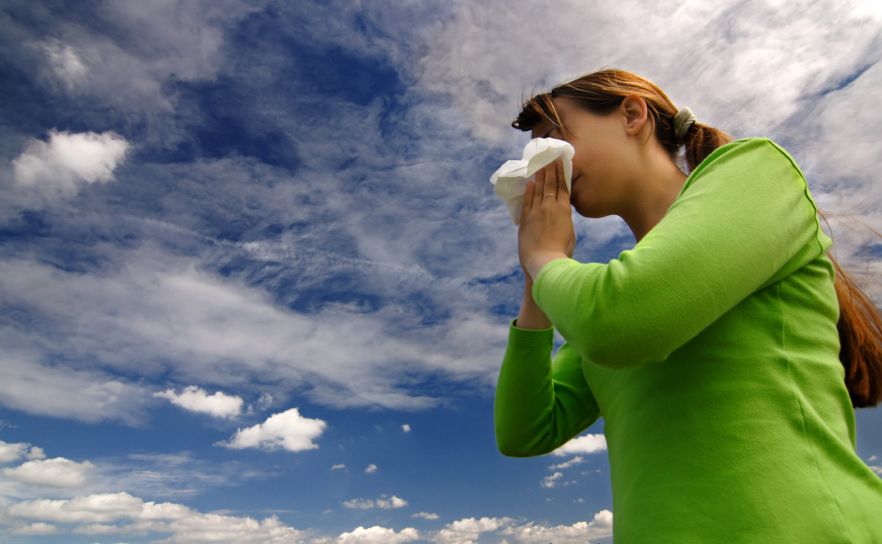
(600, 165)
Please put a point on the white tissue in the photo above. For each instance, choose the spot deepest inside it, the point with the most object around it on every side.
(510, 181)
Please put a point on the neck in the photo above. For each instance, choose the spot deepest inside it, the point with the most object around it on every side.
(659, 182)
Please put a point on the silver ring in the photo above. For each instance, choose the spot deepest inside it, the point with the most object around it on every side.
(549, 194)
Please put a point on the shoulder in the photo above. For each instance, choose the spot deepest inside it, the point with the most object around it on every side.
(751, 156)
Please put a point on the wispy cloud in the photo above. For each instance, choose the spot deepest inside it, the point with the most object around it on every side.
(567, 464)
(366, 504)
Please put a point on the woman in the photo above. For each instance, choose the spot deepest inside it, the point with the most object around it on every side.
(711, 349)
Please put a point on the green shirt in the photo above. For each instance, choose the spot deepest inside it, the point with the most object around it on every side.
(711, 352)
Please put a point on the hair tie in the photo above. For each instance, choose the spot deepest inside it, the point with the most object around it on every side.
(682, 121)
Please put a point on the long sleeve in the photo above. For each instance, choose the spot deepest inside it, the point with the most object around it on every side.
(743, 220)
(540, 404)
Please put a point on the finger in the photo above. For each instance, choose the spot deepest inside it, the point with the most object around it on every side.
(549, 190)
(563, 194)
(528, 200)
(539, 188)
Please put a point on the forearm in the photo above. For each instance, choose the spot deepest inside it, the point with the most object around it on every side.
(540, 403)
(531, 317)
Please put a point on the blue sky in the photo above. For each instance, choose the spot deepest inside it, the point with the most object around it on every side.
(256, 285)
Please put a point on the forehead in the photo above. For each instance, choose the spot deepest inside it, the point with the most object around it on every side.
(546, 128)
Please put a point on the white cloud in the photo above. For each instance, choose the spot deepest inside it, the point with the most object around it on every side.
(589, 443)
(39, 528)
(567, 464)
(58, 472)
(196, 399)
(366, 504)
(468, 529)
(336, 467)
(68, 160)
(378, 535)
(578, 533)
(28, 385)
(288, 430)
(405, 428)
(486, 54)
(425, 515)
(551, 481)
(157, 314)
(95, 514)
(99, 508)
(370, 469)
(13, 452)
(872, 458)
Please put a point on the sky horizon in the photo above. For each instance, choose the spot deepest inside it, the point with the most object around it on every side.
(257, 286)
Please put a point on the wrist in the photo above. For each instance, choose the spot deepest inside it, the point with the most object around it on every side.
(538, 261)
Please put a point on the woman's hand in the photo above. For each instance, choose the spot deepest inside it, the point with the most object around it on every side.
(546, 228)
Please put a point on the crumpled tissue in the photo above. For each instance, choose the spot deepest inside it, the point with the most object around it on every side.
(510, 181)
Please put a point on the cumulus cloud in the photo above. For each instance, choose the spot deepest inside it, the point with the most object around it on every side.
(378, 535)
(469, 529)
(551, 481)
(196, 399)
(288, 430)
(97, 514)
(58, 472)
(370, 469)
(425, 515)
(337, 467)
(405, 428)
(578, 533)
(13, 452)
(589, 443)
(69, 160)
(366, 504)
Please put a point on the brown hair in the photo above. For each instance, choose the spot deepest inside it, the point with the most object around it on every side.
(603, 91)
(860, 323)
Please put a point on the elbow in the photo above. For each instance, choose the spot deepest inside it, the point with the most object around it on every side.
(524, 443)
(519, 441)
(511, 449)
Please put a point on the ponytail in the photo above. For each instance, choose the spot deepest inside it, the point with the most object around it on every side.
(860, 323)
(860, 340)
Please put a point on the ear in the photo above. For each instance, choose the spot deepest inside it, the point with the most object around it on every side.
(635, 112)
